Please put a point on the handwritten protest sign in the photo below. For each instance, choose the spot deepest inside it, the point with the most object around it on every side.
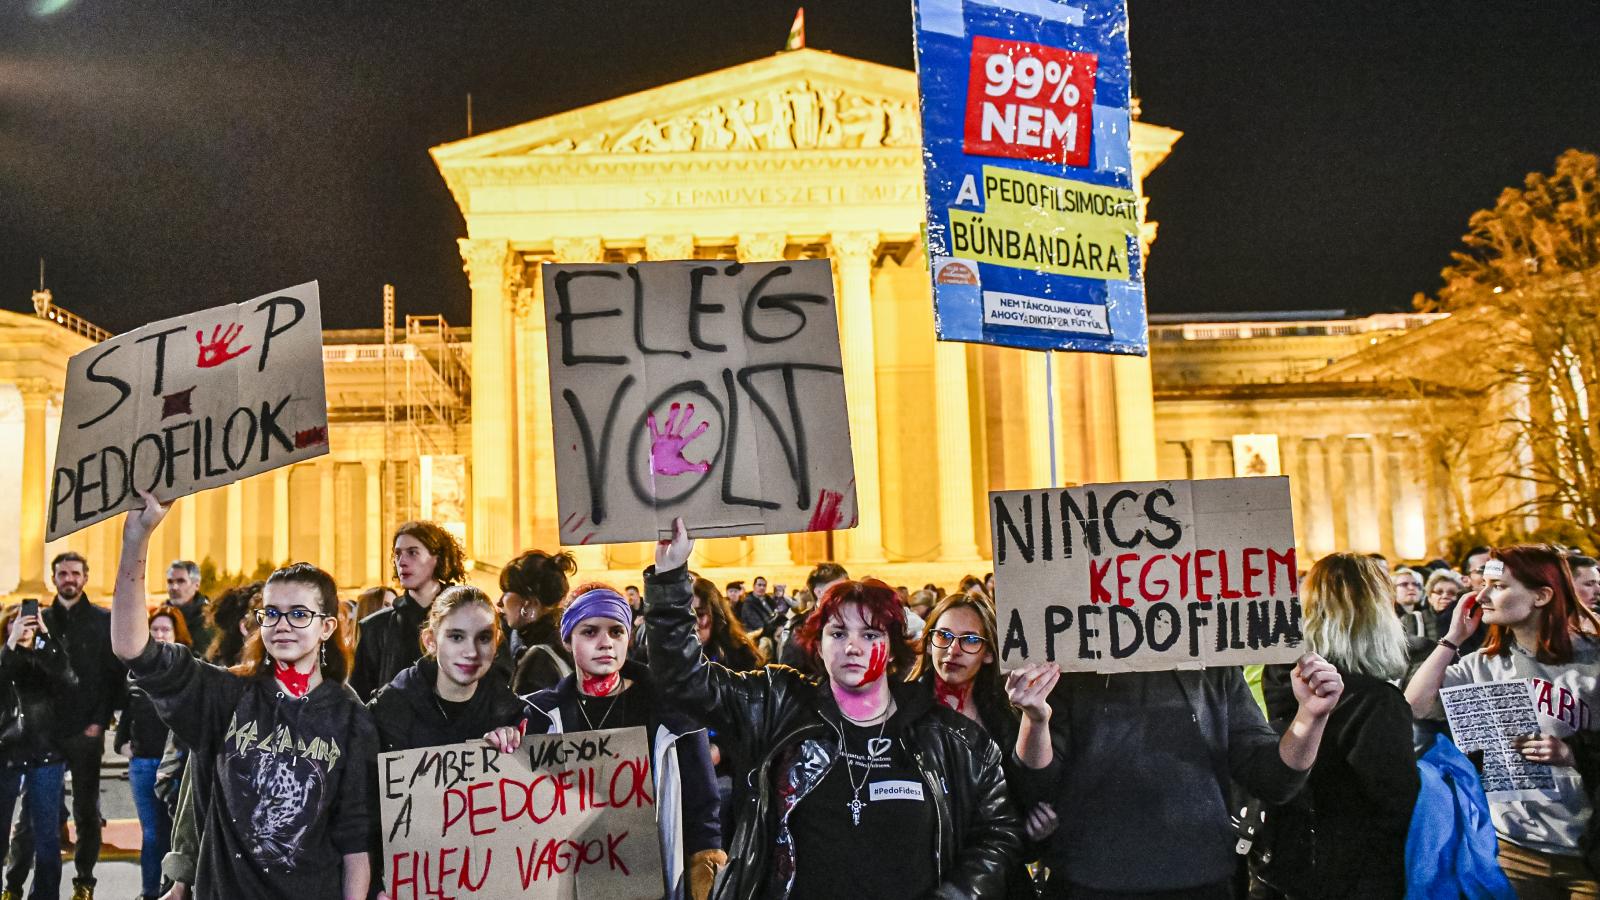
(566, 817)
(1486, 717)
(190, 403)
(1033, 219)
(706, 389)
(1148, 575)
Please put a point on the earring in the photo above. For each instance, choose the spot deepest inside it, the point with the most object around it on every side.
(324, 646)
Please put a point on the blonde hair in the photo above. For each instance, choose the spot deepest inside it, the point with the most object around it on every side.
(1350, 620)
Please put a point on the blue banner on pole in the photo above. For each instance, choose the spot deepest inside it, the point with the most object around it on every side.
(1033, 222)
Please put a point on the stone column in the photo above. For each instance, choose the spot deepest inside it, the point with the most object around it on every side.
(35, 395)
(1383, 497)
(1136, 418)
(188, 524)
(591, 559)
(1035, 417)
(233, 514)
(953, 450)
(373, 470)
(1288, 459)
(495, 273)
(1338, 498)
(853, 254)
(768, 549)
(280, 515)
(327, 547)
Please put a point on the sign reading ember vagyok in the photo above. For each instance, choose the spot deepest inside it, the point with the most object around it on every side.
(565, 817)
(190, 403)
(707, 389)
(1145, 576)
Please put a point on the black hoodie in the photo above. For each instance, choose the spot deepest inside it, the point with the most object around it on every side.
(408, 713)
(280, 783)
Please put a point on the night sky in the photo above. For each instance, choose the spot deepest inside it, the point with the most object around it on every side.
(166, 157)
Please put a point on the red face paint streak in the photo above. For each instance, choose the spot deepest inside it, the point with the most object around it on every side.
(954, 696)
(603, 686)
(296, 684)
(877, 664)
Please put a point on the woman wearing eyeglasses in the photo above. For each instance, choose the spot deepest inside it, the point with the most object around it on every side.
(958, 665)
(278, 744)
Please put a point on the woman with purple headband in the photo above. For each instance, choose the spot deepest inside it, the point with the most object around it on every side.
(607, 690)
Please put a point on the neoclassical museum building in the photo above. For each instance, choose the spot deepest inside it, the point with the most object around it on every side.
(804, 154)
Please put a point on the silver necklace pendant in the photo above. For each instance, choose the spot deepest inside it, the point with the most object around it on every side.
(856, 806)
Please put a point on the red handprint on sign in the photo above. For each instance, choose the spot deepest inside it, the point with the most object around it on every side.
(666, 444)
(217, 352)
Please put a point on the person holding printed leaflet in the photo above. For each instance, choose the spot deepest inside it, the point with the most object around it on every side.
(608, 691)
(1534, 619)
(958, 666)
(444, 697)
(1148, 763)
(860, 785)
(278, 745)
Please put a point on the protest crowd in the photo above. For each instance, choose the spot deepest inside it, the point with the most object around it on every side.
(845, 737)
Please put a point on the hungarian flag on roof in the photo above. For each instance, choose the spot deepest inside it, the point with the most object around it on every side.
(797, 31)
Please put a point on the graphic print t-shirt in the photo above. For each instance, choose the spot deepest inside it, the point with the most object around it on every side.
(282, 782)
(1565, 697)
(890, 854)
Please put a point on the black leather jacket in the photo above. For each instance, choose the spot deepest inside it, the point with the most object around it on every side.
(774, 720)
(45, 684)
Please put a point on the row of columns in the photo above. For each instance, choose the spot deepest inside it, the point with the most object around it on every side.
(513, 478)
(1354, 492)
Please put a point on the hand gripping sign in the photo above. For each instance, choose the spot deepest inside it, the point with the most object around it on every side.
(1145, 576)
(566, 817)
(190, 403)
(706, 389)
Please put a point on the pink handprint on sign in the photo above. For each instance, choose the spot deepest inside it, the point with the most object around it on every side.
(217, 351)
(667, 443)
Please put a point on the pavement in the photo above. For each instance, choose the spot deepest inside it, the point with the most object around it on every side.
(118, 869)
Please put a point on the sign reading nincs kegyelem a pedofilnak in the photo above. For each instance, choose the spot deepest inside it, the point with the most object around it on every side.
(1033, 223)
(189, 403)
(707, 389)
(1145, 576)
(566, 817)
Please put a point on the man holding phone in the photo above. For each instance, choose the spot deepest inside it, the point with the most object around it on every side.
(84, 631)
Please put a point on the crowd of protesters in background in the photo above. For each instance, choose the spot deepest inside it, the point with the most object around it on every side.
(774, 698)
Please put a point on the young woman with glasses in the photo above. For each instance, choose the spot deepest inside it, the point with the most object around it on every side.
(278, 744)
(958, 664)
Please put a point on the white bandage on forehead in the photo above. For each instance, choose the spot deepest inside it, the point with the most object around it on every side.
(1494, 568)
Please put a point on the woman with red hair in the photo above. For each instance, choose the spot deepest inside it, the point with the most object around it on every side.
(857, 784)
(1535, 633)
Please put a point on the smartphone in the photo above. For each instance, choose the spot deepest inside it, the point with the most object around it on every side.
(30, 606)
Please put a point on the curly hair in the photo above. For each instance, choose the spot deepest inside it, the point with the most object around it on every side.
(449, 561)
(224, 615)
(539, 576)
(880, 608)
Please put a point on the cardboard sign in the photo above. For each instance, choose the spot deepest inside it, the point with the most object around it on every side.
(566, 817)
(190, 403)
(1033, 222)
(1147, 576)
(706, 389)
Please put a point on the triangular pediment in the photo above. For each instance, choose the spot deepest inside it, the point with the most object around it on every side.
(798, 100)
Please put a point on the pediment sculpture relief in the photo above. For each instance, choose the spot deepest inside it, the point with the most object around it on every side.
(795, 117)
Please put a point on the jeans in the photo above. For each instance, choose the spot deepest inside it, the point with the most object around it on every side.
(41, 788)
(83, 761)
(155, 823)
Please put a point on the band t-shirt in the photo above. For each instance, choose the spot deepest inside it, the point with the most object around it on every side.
(889, 854)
